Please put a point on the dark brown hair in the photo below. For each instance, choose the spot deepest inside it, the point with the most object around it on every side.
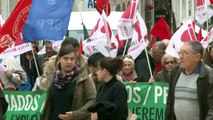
(72, 41)
(66, 49)
(113, 65)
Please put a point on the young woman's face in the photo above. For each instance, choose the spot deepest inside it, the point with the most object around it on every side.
(68, 62)
(127, 67)
(100, 73)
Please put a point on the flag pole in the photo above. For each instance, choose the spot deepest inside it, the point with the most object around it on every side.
(77, 4)
(127, 40)
(147, 57)
(207, 28)
(107, 33)
(36, 65)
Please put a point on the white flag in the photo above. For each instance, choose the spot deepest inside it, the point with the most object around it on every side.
(185, 33)
(97, 41)
(204, 17)
(138, 42)
(125, 25)
(207, 39)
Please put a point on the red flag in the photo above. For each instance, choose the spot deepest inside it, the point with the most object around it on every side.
(14, 24)
(80, 49)
(161, 29)
(18, 41)
(199, 36)
(103, 5)
(120, 42)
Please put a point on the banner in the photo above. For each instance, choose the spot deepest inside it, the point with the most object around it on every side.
(147, 101)
(13, 26)
(16, 50)
(24, 105)
(48, 19)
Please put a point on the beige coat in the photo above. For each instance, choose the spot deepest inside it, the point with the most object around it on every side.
(84, 94)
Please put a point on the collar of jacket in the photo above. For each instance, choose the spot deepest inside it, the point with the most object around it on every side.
(82, 75)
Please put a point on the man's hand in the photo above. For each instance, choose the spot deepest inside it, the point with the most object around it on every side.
(67, 116)
(151, 79)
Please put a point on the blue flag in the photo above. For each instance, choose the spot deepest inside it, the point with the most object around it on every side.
(48, 19)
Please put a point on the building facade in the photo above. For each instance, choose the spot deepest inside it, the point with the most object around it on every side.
(150, 10)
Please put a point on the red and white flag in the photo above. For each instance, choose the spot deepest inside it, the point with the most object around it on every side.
(203, 11)
(13, 26)
(207, 39)
(125, 25)
(98, 40)
(204, 17)
(139, 42)
(201, 7)
(17, 47)
(185, 33)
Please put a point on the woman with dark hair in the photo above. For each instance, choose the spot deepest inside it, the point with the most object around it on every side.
(111, 99)
(70, 92)
(92, 65)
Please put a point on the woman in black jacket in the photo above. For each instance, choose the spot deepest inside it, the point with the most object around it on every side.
(111, 99)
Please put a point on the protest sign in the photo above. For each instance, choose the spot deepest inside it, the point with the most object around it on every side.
(24, 105)
(147, 101)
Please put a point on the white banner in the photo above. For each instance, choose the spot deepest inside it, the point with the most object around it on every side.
(16, 50)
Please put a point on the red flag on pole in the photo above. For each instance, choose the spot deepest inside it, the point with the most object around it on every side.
(14, 24)
(199, 36)
(161, 29)
(80, 49)
(120, 42)
(103, 5)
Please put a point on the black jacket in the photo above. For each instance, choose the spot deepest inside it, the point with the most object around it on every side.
(3, 105)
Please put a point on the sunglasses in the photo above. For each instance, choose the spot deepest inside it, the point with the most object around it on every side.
(171, 62)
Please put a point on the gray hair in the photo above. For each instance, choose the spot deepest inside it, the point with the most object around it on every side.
(161, 46)
(196, 46)
(165, 57)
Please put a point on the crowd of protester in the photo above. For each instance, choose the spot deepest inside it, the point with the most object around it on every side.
(80, 88)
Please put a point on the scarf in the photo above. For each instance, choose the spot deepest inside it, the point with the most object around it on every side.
(128, 76)
(62, 82)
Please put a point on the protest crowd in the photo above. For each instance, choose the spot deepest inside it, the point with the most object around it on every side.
(93, 79)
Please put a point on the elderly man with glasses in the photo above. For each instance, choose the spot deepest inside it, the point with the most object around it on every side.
(191, 89)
